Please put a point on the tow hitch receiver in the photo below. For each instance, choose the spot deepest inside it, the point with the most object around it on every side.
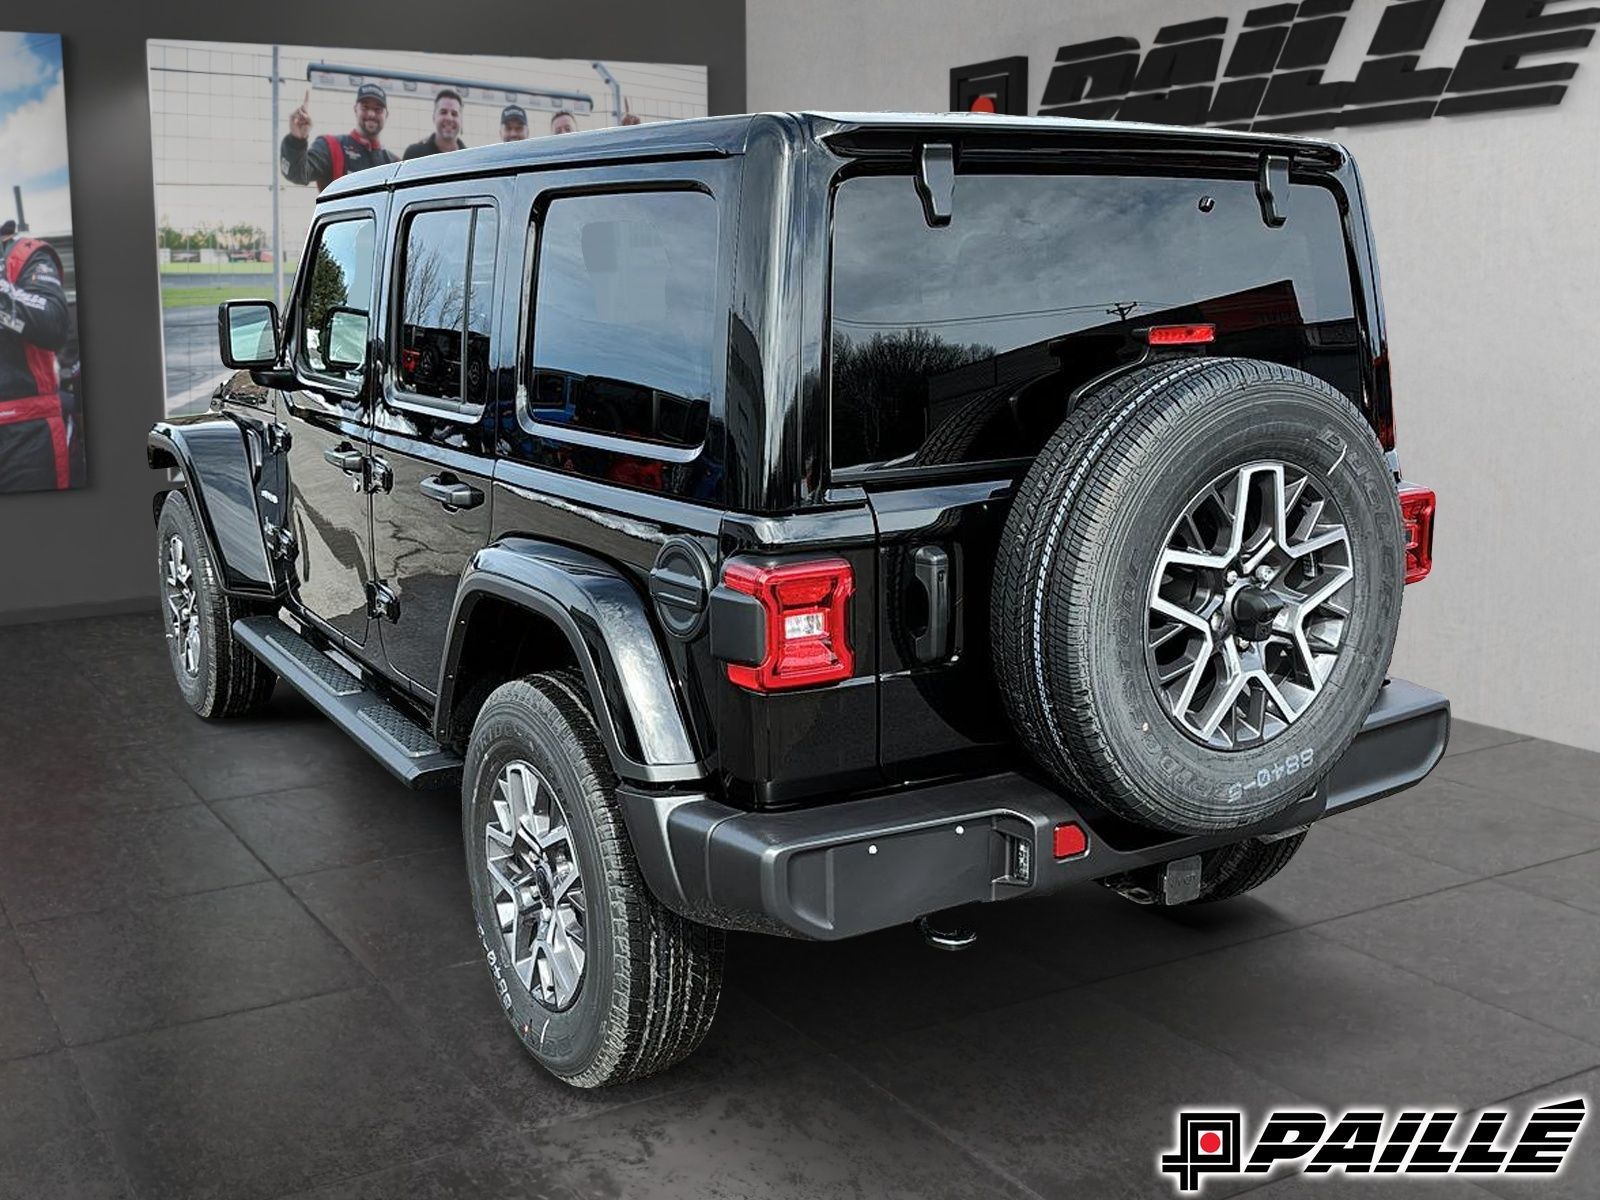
(1180, 880)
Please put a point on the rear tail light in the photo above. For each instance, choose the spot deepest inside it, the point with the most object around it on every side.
(1181, 335)
(1416, 515)
(806, 606)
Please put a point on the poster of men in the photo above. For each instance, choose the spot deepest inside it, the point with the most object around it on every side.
(244, 136)
(41, 417)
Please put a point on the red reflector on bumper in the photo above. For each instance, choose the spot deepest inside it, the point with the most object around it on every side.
(1416, 513)
(1070, 841)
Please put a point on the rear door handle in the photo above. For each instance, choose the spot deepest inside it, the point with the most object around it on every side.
(345, 457)
(931, 568)
(451, 492)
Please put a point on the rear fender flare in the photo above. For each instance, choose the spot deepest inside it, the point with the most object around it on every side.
(608, 624)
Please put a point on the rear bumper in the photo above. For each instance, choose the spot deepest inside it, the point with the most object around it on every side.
(845, 869)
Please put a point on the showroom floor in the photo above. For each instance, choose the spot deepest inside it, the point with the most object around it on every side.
(236, 961)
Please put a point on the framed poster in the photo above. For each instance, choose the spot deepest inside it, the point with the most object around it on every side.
(244, 136)
(41, 393)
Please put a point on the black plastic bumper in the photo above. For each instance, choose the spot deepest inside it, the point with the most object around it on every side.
(849, 868)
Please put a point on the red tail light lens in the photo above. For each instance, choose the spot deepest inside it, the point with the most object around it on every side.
(1416, 513)
(807, 638)
(1181, 335)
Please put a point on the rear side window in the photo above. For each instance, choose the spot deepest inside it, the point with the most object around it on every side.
(446, 296)
(961, 343)
(341, 278)
(624, 330)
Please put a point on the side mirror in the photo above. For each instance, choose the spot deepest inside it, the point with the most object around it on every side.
(344, 339)
(247, 333)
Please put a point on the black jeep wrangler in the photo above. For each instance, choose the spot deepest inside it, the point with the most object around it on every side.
(837, 520)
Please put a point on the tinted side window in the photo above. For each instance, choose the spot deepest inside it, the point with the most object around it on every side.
(962, 344)
(624, 331)
(446, 290)
(341, 277)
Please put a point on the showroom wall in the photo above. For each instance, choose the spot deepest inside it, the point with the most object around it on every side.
(1490, 256)
(89, 551)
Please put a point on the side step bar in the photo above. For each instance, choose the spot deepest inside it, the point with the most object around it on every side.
(389, 735)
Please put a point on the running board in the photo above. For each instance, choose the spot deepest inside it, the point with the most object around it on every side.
(389, 735)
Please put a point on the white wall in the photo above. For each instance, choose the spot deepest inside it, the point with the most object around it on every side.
(1489, 240)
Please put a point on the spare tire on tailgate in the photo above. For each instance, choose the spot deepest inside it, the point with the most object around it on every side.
(1197, 592)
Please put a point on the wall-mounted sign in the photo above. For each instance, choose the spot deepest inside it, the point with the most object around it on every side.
(1273, 77)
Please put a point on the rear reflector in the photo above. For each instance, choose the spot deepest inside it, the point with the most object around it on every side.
(1070, 840)
(806, 606)
(1416, 513)
(1181, 335)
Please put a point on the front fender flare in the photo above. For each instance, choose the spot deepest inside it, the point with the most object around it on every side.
(608, 624)
(219, 477)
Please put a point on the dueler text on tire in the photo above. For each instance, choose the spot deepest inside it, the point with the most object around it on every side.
(1197, 592)
(217, 676)
(601, 983)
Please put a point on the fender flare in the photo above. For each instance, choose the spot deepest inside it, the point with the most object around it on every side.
(608, 624)
(217, 473)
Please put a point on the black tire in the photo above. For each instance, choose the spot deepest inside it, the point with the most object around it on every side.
(651, 979)
(1077, 556)
(1225, 872)
(226, 679)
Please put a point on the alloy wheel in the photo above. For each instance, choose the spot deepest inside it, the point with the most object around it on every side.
(537, 886)
(1246, 616)
(183, 606)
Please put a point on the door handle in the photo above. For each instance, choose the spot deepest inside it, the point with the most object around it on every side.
(931, 568)
(345, 457)
(451, 492)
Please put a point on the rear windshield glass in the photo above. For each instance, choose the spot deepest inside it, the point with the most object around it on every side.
(961, 343)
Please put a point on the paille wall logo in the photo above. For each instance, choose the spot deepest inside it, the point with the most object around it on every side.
(1273, 78)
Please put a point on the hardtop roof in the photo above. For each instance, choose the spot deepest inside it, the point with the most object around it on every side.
(710, 136)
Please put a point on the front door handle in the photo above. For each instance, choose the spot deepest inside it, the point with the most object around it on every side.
(345, 457)
(451, 492)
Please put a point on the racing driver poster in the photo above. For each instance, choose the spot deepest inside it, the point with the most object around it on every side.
(41, 402)
(245, 136)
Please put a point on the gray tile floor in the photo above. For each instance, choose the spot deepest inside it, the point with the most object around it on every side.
(236, 961)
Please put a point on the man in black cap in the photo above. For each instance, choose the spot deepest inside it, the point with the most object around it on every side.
(513, 123)
(331, 156)
(446, 133)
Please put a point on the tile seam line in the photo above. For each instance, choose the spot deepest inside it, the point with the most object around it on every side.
(929, 1123)
(349, 952)
(1530, 797)
(232, 1012)
(146, 903)
(1378, 841)
(214, 1017)
(1590, 1043)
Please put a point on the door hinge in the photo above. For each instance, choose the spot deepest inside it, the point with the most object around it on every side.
(280, 541)
(279, 439)
(377, 475)
(382, 603)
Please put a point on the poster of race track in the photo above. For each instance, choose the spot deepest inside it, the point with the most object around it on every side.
(243, 137)
(41, 411)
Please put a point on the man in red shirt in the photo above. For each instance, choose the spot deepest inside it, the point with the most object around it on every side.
(331, 156)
